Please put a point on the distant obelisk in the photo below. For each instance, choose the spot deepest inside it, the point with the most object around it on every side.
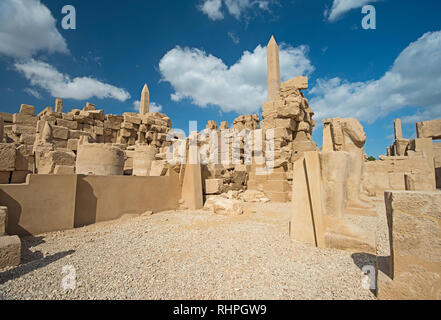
(273, 69)
(144, 106)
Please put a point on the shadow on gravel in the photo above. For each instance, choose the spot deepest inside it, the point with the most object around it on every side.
(31, 266)
(365, 259)
(29, 242)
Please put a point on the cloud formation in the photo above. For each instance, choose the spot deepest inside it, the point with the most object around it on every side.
(237, 8)
(154, 107)
(340, 7)
(45, 76)
(412, 81)
(207, 80)
(28, 27)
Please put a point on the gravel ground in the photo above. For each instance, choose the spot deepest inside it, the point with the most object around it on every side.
(190, 255)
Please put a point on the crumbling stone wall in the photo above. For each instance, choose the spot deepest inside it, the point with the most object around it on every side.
(48, 142)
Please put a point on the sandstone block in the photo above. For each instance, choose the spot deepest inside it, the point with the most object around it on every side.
(213, 186)
(223, 206)
(7, 156)
(19, 176)
(73, 125)
(4, 177)
(60, 132)
(64, 170)
(429, 129)
(72, 144)
(159, 168)
(3, 220)
(51, 159)
(24, 160)
(22, 129)
(300, 83)
(25, 119)
(10, 251)
(27, 110)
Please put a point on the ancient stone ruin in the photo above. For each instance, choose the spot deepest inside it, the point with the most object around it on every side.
(90, 167)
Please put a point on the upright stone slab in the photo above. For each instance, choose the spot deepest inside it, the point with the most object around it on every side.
(273, 66)
(192, 187)
(58, 105)
(414, 264)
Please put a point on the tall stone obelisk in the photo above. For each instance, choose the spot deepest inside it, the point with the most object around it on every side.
(144, 106)
(273, 69)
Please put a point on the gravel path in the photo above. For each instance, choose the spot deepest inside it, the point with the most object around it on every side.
(189, 255)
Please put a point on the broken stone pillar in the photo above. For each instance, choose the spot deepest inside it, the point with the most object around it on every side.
(398, 130)
(413, 269)
(318, 200)
(429, 129)
(144, 105)
(58, 105)
(273, 69)
(142, 159)
(100, 159)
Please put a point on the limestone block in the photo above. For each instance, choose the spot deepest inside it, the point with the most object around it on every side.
(28, 139)
(254, 196)
(51, 159)
(414, 221)
(22, 129)
(59, 105)
(64, 170)
(72, 125)
(10, 251)
(3, 220)
(7, 117)
(7, 156)
(89, 107)
(418, 182)
(100, 159)
(25, 119)
(27, 110)
(60, 132)
(4, 177)
(97, 115)
(159, 168)
(429, 129)
(72, 144)
(214, 186)
(19, 176)
(132, 119)
(223, 206)
(300, 83)
(24, 160)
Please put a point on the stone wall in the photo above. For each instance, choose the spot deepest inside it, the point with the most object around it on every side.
(58, 202)
(27, 138)
(413, 270)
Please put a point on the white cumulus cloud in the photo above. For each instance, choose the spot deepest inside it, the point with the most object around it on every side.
(237, 8)
(413, 81)
(154, 107)
(340, 7)
(207, 80)
(27, 27)
(45, 76)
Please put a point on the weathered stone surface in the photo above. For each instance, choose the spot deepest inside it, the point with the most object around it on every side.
(429, 129)
(99, 159)
(7, 156)
(414, 220)
(254, 196)
(64, 170)
(25, 119)
(159, 168)
(60, 132)
(213, 186)
(10, 251)
(3, 220)
(24, 160)
(51, 159)
(27, 110)
(4, 177)
(300, 83)
(223, 206)
(19, 176)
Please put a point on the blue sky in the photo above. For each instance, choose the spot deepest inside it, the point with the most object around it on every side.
(206, 60)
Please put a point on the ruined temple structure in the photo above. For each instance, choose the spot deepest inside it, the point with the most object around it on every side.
(90, 167)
